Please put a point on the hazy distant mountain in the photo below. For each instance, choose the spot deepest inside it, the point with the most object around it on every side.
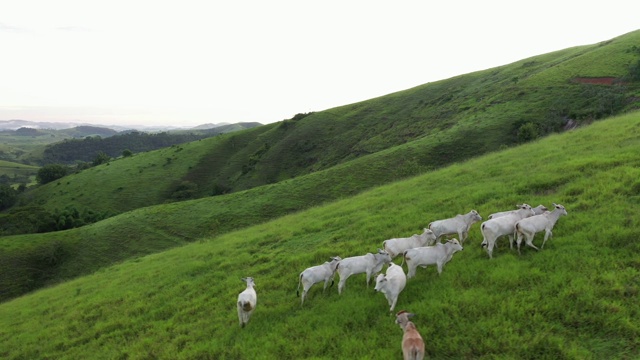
(16, 124)
(210, 126)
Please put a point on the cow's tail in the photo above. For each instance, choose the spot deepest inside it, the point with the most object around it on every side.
(298, 289)
(484, 238)
(404, 254)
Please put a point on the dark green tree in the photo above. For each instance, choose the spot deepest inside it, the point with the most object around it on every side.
(51, 172)
(101, 158)
(527, 132)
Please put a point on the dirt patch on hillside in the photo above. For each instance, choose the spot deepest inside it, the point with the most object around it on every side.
(596, 80)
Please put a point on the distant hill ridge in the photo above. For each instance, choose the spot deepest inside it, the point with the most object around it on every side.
(71, 151)
(61, 125)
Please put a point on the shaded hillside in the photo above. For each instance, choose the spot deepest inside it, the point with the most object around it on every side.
(576, 299)
(378, 140)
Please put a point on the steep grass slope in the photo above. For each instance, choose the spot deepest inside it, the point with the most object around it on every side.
(576, 299)
(445, 121)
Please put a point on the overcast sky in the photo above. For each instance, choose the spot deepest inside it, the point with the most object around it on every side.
(184, 62)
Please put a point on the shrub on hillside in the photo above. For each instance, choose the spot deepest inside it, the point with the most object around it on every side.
(185, 190)
(101, 158)
(51, 172)
(527, 132)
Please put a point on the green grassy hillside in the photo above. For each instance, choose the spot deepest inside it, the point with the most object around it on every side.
(576, 299)
(167, 175)
(420, 129)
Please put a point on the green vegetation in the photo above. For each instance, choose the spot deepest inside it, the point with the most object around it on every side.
(576, 299)
(27, 143)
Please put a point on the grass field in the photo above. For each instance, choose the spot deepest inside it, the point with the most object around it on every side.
(576, 299)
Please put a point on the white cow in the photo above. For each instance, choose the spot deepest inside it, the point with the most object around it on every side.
(528, 227)
(391, 284)
(316, 274)
(459, 224)
(369, 264)
(412, 343)
(247, 301)
(537, 210)
(397, 246)
(437, 255)
(504, 225)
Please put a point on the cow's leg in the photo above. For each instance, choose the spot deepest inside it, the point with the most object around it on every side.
(343, 280)
(547, 235)
(490, 245)
(529, 240)
(393, 303)
(411, 270)
(304, 294)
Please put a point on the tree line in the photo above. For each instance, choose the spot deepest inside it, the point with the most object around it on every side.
(85, 150)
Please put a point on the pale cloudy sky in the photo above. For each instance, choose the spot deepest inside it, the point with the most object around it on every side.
(131, 62)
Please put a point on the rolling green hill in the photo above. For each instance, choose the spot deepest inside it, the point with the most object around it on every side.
(576, 299)
(379, 140)
(15, 172)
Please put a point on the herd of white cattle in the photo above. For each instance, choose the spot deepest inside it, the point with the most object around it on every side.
(418, 251)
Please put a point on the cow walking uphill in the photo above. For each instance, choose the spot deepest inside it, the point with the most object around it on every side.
(368, 264)
(316, 274)
(459, 224)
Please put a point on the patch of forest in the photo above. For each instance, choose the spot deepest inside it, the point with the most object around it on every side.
(70, 151)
